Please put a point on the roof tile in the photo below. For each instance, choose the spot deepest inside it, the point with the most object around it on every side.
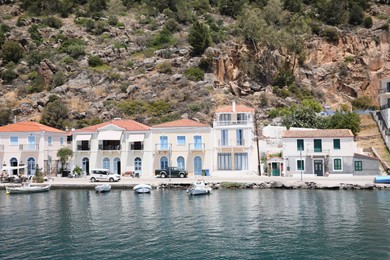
(317, 133)
(29, 126)
(127, 124)
(181, 123)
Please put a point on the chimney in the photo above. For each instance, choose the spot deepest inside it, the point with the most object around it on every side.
(234, 106)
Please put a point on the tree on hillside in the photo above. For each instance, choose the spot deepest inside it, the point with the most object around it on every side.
(96, 5)
(55, 114)
(12, 51)
(199, 38)
(345, 120)
(231, 8)
(5, 115)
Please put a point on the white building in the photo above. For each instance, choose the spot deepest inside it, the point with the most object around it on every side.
(118, 145)
(26, 146)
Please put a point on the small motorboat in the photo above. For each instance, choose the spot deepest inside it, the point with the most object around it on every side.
(103, 188)
(382, 179)
(142, 188)
(26, 188)
(199, 188)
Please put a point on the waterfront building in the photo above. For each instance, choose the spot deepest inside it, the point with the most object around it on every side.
(382, 117)
(184, 144)
(28, 146)
(323, 152)
(118, 145)
(234, 141)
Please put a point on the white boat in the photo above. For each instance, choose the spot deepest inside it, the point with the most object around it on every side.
(26, 188)
(142, 188)
(199, 188)
(103, 188)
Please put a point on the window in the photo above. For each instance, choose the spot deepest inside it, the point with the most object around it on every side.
(14, 140)
(336, 144)
(224, 119)
(106, 163)
(198, 142)
(300, 165)
(224, 138)
(300, 145)
(224, 161)
(61, 141)
(240, 137)
(358, 166)
(337, 165)
(241, 118)
(49, 140)
(164, 142)
(181, 140)
(241, 161)
(317, 145)
(180, 163)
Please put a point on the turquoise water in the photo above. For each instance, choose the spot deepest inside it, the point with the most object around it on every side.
(168, 224)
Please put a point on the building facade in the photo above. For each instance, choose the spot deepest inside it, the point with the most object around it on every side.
(234, 141)
(323, 152)
(118, 146)
(184, 144)
(28, 146)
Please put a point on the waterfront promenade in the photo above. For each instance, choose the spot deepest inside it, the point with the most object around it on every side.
(259, 181)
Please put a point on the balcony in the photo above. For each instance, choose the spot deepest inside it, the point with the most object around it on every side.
(384, 90)
(163, 147)
(83, 147)
(109, 147)
(28, 147)
(233, 123)
(317, 152)
(136, 147)
(194, 147)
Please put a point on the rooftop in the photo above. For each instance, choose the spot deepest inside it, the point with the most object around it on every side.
(320, 133)
(127, 124)
(29, 126)
(181, 123)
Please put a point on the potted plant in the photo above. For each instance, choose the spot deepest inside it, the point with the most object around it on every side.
(64, 155)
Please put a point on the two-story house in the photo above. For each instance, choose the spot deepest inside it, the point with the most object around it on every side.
(234, 142)
(182, 143)
(118, 145)
(384, 101)
(28, 146)
(323, 152)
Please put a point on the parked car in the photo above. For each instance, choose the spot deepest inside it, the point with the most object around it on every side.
(174, 172)
(103, 175)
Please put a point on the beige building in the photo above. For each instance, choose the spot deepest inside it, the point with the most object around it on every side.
(182, 143)
(28, 146)
(118, 145)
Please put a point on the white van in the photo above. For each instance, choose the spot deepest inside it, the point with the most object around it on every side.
(103, 175)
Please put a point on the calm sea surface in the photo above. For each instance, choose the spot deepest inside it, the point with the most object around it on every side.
(168, 224)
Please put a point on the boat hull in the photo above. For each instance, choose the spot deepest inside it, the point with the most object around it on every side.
(382, 179)
(142, 188)
(195, 192)
(27, 190)
(103, 188)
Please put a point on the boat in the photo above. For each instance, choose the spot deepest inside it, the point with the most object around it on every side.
(382, 179)
(26, 188)
(199, 188)
(142, 188)
(103, 188)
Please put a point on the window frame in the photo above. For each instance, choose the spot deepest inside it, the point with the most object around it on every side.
(336, 146)
(300, 145)
(334, 164)
(358, 166)
(181, 140)
(15, 141)
(300, 165)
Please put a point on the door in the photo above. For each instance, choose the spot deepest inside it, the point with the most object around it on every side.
(13, 163)
(117, 166)
(86, 165)
(318, 168)
(275, 169)
(197, 165)
(30, 166)
(138, 165)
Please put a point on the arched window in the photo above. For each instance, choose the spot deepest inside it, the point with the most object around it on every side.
(117, 165)
(180, 163)
(137, 164)
(85, 165)
(106, 163)
(164, 162)
(30, 166)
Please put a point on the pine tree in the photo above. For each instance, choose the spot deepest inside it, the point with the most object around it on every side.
(199, 38)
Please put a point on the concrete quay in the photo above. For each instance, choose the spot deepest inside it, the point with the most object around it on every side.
(308, 182)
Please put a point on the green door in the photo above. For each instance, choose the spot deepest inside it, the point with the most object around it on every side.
(275, 169)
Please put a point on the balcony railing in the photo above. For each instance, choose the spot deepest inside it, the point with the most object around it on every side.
(163, 147)
(232, 143)
(83, 147)
(197, 146)
(232, 122)
(28, 147)
(317, 151)
(136, 147)
(109, 147)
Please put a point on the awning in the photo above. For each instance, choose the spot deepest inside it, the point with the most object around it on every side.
(110, 135)
(83, 137)
(136, 138)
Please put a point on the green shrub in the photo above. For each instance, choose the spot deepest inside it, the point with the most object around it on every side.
(21, 21)
(171, 25)
(35, 57)
(161, 40)
(362, 102)
(331, 34)
(34, 34)
(164, 67)
(95, 61)
(59, 78)
(68, 60)
(130, 64)
(12, 51)
(194, 74)
(367, 22)
(113, 20)
(53, 22)
(37, 84)
(8, 75)
(73, 47)
(133, 107)
(158, 108)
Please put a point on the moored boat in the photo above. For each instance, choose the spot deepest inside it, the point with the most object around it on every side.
(103, 188)
(199, 188)
(142, 188)
(26, 188)
(382, 179)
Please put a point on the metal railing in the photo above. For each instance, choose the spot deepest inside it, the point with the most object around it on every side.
(232, 122)
(163, 147)
(28, 147)
(232, 143)
(109, 147)
(196, 146)
(83, 147)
